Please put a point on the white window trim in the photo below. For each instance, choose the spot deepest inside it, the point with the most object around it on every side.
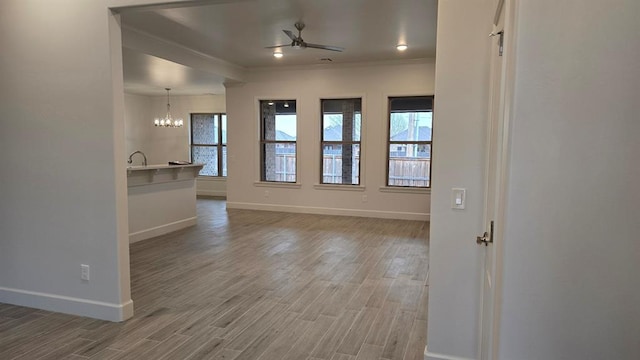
(405, 189)
(277, 184)
(258, 137)
(340, 187)
(385, 149)
(363, 137)
(219, 145)
(212, 178)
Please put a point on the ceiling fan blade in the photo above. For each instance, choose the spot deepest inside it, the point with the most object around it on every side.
(276, 46)
(325, 47)
(290, 34)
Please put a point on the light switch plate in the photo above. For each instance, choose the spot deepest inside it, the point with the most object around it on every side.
(458, 198)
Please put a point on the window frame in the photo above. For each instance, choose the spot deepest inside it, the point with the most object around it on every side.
(389, 142)
(342, 143)
(264, 142)
(219, 145)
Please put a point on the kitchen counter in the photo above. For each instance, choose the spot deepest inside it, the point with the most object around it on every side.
(153, 174)
(162, 199)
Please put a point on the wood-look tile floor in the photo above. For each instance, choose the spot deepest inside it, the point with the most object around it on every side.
(254, 285)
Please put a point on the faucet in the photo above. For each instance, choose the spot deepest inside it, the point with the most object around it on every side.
(144, 158)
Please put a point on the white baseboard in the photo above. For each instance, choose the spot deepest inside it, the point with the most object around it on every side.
(435, 356)
(216, 193)
(162, 229)
(68, 305)
(330, 211)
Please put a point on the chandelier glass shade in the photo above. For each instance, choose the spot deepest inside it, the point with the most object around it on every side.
(168, 120)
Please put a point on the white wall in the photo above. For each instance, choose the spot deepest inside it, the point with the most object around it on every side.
(162, 145)
(374, 83)
(572, 251)
(64, 200)
(137, 115)
(462, 68)
(63, 193)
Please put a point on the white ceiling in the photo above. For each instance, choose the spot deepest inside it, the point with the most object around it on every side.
(150, 75)
(208, 45)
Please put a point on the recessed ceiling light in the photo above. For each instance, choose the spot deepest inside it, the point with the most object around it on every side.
(402, 47)
(278, 54)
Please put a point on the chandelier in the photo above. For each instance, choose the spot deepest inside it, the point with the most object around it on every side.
(168, 120)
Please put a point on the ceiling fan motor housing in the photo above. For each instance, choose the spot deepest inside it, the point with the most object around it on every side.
(298, 44)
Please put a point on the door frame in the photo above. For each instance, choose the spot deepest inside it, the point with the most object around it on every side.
(502, 168)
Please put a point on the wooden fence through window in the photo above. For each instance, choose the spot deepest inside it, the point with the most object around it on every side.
(403, 171)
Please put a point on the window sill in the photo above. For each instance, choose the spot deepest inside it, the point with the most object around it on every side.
(405, 190)
(274, 184)
(338, 187)
(212, 178)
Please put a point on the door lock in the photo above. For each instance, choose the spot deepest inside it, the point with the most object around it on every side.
(486, 238)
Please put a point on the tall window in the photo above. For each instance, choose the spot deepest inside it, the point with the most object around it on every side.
(341, 122)
(409, 141)
(278, 140)
(209, 143)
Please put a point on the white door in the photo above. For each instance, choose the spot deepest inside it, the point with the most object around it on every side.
(495, 175)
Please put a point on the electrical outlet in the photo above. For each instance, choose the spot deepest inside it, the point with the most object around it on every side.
(266, 193)
(84, 272)
(365, 198)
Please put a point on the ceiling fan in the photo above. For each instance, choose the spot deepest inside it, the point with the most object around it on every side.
(298, 43)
